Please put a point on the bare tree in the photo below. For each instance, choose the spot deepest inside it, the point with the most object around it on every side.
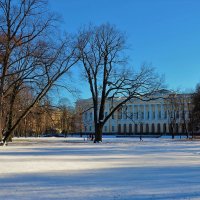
(173, 113)
(195, 111)
(102, 53)
(178, 108)
(31, 56)
(185, 118)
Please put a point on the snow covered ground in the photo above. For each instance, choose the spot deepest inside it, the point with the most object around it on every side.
(117, 169)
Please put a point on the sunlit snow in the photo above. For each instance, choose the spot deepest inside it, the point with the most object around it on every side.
(117, 169)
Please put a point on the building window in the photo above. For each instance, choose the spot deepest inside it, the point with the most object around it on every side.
(152, 128)
(147, 128)
(142, 115)
(125, 115)
(177, 128)
(183, 114)
(124, 128)
(113, 116)
(148, 115)
(177, 114)
(113, 129)
(105, 128)
(136, 115)
(154, 115)
(164, 128)
(90, 128)
(119, 115)
(165, 114)
(106, 114)
(85, 128)
(159, 114)
(90, 115)
(141, 128)
(158, 128)
(130, 128)
(183, 128)
(119, 128)
(136, 129)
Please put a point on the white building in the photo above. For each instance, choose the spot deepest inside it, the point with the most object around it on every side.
(143, 117)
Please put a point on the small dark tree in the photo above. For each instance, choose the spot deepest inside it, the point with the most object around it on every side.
(195, 118)
(173, 110)
(185, 104)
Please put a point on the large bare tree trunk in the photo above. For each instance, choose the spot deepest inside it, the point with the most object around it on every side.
(98, 133)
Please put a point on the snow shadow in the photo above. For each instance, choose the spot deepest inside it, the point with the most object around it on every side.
(123, 183)
(137, 148)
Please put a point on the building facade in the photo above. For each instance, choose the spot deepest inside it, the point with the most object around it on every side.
(163, 114)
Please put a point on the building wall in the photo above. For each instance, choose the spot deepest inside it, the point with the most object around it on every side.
(138, 117)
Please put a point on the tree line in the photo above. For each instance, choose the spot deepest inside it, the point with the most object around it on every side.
(181, 105)
(48, 120)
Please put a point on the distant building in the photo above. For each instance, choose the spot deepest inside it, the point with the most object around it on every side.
(158, 116)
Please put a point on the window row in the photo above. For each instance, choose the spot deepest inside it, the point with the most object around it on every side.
(142, 128)
(142, 116)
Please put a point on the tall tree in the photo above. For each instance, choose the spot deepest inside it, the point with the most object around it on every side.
(102, 53)
(31, 54)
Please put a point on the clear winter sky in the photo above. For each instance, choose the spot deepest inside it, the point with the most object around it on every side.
(165, 33)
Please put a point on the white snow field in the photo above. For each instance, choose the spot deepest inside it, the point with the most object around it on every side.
(117, 169)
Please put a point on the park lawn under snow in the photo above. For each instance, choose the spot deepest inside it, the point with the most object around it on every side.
(117, 169)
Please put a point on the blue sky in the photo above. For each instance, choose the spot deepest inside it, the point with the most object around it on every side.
(165, 33)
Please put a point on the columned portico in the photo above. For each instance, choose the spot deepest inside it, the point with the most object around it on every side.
(138, 117)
